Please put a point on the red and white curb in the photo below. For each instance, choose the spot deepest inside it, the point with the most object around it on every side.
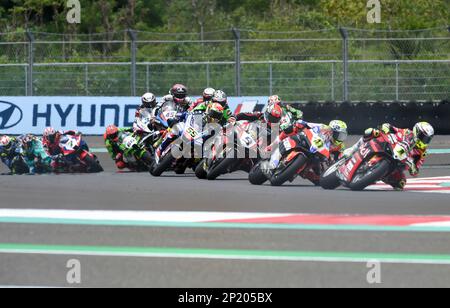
(425, 185)
(130, 217)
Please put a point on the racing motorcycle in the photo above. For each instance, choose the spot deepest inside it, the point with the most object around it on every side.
(136, 155)
(295, 156)
(150, 131)
(245, 147)
(190, 135)
(76, 156)
(374, 160)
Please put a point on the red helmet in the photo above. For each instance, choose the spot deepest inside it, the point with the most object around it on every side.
(273, 114)
(50, 134)
(179, 93)
(112, 133)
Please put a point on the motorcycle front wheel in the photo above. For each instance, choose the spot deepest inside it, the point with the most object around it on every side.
(220, 168)
(370, 176)
(256, 175)
(93, 165)
(329, 179)
(164, 164)
(287, 173)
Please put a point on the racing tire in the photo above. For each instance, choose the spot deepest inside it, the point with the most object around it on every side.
(164, 164)
(93, 165)
(375, 174)
(220, 168)
(147, 159)
(329, 179)
(200, 171)
(279, 178)
(257, 176)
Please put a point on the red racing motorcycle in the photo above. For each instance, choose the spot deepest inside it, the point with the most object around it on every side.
(294, 157)
(374, 161)
(76, 157)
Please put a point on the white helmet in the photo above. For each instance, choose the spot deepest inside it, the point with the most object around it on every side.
(220, 97)
(208, 94)
(423, 134)
(148, 100)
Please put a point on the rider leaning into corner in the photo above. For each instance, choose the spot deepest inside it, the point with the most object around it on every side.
(274, 100)
(206, 98)
(148, 104)
(334, 135)
(114, 137)
(219, 104)
(10, 149)
(178, 95)
(416, 141)
(35, 156)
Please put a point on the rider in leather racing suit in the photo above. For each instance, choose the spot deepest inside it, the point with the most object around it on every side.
(114, 137)
(206, 98)
(10, 150)
(416, 140)
(334, 135)
(35, 156)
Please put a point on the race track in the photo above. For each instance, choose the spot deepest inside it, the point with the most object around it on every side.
(165, 232)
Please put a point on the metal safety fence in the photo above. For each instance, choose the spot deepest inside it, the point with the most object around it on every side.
(326, 65)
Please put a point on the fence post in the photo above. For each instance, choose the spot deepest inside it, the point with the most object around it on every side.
(147, 77)
(397, 81)
(333, 68)
(86, 79)
(30, 38)
(133, 36)
(208, 75)
(344, 34)
(271, 78)
(237, 37)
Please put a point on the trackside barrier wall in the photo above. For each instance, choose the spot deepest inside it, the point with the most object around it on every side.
(362, 115)
(90, 115)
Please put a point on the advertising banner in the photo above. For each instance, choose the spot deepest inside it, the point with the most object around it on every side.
(90, 115)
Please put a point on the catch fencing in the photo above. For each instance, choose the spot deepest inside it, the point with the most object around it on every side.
(326, 65)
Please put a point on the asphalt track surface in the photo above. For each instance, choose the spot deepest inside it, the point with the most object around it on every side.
(232, 193)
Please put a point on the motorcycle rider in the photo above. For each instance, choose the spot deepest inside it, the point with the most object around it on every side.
(179, 96)
(334, 135)
(416, 141)
(114, 137)
(51, 139)
(35, 155)
(296, 113)
(206, 98)
(10, 150)
(148, 103)
(274, 100)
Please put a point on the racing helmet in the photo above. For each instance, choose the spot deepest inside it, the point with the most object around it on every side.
(208, 94)
(273, 114)
(340, 130)
(148, 100)
(214, 112)
(112, 133)
(423, 134)
(220, 97)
